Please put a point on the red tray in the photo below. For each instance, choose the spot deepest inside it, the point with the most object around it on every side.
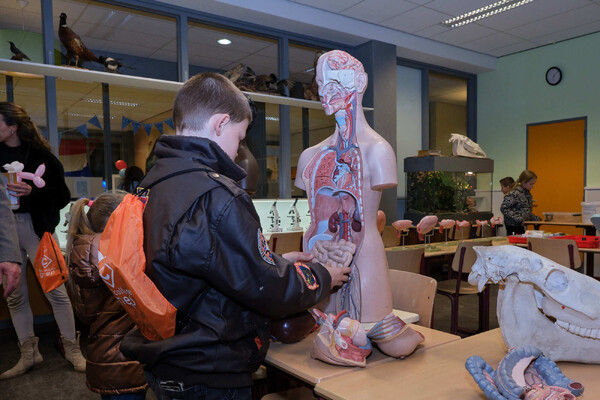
(582, 241)
(517, 239)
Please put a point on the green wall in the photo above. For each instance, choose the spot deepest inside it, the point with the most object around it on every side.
(516, 94)
(29, 43)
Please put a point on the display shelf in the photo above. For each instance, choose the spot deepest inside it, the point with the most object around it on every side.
(9, 67)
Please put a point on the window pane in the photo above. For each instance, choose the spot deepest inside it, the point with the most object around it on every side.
(447, 110)
(23, 27)
(302, 62)
(145, 43)
(206, 54)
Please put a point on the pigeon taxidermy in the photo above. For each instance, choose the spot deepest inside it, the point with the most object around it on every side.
(72, 42)
(17, 54)
(112, 64)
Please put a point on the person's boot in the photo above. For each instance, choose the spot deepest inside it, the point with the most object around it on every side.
(30, 357)
(73, 353)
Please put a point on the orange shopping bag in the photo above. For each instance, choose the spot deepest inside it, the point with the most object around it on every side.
(122, 263)
(49, 264)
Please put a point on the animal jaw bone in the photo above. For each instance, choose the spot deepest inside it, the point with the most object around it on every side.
(542, 303)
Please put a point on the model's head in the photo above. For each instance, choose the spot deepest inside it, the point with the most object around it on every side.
(209, 105)
(16, 126)
(339, 76)
(506, 184)
(527, 179)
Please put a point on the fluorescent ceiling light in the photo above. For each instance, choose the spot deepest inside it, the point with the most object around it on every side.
(484, 12)
(113, 102)
(224, 42)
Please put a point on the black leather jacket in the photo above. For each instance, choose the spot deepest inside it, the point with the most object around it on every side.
(205, 254)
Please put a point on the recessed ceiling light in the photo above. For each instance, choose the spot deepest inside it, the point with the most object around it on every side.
(224, 42)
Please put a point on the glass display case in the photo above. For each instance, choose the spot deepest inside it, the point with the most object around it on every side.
(458, 188)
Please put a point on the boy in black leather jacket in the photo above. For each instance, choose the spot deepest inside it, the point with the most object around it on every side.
(206, 254)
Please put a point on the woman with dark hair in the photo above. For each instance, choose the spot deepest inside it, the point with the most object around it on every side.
(131, 180)
(38, 212)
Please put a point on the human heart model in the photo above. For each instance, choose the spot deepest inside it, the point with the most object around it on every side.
(343, 177)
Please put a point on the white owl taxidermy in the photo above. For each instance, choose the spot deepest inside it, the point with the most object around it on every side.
(463, 146)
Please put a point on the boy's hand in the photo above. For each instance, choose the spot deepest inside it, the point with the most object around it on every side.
(339, 275)
(295, 256)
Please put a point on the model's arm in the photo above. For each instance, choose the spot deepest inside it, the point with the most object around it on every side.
(382, 165)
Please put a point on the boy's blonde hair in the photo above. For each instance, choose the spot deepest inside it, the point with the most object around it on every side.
(205, 95)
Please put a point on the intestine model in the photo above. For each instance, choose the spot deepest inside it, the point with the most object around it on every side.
(17, 168)
(295, 217)
(274, 217)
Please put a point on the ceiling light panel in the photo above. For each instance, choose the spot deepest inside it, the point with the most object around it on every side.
(484, 12)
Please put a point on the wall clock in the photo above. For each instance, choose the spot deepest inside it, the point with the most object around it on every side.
(553, 76)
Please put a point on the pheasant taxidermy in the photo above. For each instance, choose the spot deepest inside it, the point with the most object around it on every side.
(17, 54)
(112, 64)
(73, 44)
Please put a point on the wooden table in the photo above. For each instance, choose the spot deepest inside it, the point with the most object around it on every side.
(439, 373)
(448, 248)
(295, 359)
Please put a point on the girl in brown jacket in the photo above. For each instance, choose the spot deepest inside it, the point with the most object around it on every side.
(108, 372)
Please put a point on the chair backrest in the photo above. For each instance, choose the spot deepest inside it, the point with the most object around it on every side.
(414, 293)
(390, 236)
(284, 242)
(409, 260)
(561, 251)
(469, 255)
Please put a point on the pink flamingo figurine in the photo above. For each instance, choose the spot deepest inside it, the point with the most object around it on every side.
(462, 224)
(480, 225)
(446, 224)
(402, 226)
(426, 225)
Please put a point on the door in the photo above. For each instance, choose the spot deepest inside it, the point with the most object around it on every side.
(556, 153)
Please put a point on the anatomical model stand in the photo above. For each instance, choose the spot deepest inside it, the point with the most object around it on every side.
(343, 177)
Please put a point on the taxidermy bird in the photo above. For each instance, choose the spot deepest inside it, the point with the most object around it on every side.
(72, 42)
(17, 54)
(112, 64)
(242, 76)
(270, 84)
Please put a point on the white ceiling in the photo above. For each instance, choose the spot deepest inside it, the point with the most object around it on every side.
(414, 26)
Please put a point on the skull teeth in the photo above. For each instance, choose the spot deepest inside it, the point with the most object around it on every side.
(579, 331)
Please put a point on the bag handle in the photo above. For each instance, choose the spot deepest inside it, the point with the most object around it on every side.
(144, 191)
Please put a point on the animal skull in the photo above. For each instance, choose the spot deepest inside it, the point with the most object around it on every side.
(542, 303)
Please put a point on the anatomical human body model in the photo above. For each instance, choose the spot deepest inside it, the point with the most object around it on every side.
(542, 303)
(343, 177)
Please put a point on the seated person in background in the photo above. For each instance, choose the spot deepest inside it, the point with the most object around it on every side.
(108, 372)
(507, 184)
(206, 254)
(518, 204)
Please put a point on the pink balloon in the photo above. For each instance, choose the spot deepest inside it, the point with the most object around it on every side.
(120, 164)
